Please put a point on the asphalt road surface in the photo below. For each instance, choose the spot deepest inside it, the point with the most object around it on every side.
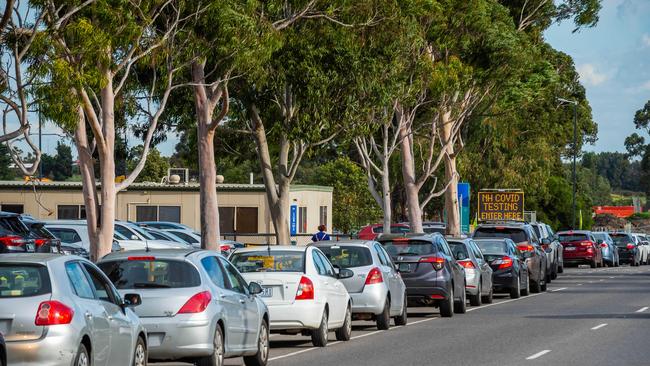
(587, 317)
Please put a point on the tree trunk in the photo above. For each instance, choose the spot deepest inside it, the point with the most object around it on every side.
(411, 189)
(280, 214)
(451, 175)
(385, 191)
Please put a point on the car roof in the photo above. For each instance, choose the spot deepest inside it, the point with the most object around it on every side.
(39, 258)
(360, 243)
(257, 248)
(158, 253)
(574, 232)
(492, 239)
(457, 239)
(8, 214)
(414, 236)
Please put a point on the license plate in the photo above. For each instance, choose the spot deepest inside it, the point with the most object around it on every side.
(568, 249)
(267, 292)
(405, 267)
(30, 248)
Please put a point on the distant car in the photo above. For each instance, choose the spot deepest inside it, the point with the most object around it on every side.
(195, 305)
(62, 310)
(227, 247)
(44, 240)
(434, 227)
(164, 225)
(510, 272)
(608, 248)
(302, 290)
(478, 273)
(15, 236)
(553, 249)
(3, 351)
(628, 250)
(644, 247)
(371, 232)
(580, 247)
(165, 235)
(527, 242)
(432, 275)
(376, 289)
(189, 236)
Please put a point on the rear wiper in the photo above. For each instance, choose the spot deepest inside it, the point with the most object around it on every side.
(150, 285)
(406, 253)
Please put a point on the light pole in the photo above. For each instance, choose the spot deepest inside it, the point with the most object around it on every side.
(575, 153)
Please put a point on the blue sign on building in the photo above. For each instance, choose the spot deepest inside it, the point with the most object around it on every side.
(463, 203)
(293, 220)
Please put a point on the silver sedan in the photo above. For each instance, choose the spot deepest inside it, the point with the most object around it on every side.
(376, 289)
(62, 310)
(478, 273)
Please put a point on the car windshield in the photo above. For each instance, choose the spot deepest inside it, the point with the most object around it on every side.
(269, 261)
(20, 280)
(566, 238)
(148, 272)
(142, 232)
(621, 240)
(517, 235)
(347, 256)
(491, 247)
(459, 249)
(408, 247)
(601, 236)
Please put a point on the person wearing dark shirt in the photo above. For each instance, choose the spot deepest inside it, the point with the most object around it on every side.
(321, 235)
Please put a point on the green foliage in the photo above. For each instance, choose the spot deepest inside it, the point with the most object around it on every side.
(59, 166)
(154, 169)
(6, 172)
(615, 167)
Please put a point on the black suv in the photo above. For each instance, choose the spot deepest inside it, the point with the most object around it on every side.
(14, 235)
(429, 270)
(527, 242)
(44, 240)
(628, 249)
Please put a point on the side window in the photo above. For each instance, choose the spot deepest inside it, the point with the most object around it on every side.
(386, 256)
(237, 283)
(318, 263)
(476, 250)
(380, 253)
(442, 245)
(213, 269)
(126, 233)
(329, 269)
(79, 281)
(103, 289)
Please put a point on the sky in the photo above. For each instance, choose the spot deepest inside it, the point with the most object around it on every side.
(613, 60)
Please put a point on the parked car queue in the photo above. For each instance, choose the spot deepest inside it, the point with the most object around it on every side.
(195, 305)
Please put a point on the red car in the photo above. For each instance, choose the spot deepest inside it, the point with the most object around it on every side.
(371, 232)
(581, 247)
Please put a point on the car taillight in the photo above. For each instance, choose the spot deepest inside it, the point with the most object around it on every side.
(630, 246)
(224, 248)
(40, 242)
(53, 313)
(12, 240)
(503, 262)
(197, 303)
(525, 247)
(467, 264)
(374, 276)
(603, 245)
(586, 243)
(305, 289)
(545, 246)
(436, 262)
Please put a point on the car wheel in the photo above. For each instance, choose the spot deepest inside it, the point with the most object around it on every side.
(460, 306)
(319, 336)
(262, 355)
(345, 332)
(383, 319)
(515, 292)
(534, 286)
(402, 319)
(487, 299)
(593, 264)
(525, 291)
(82, 358)
(140, 353)
(554, 272)
(216, 358)
(476, 300)
(447, 306)
(560, 269)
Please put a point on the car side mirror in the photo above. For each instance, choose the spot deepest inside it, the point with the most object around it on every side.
(460, 257)
(546, 241)
(527, 254)
(131, 300)
(134, 237)
(396, 266)
(345, 273)
(254, 288)
(599, 241)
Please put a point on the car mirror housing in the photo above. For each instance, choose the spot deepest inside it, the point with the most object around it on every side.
(345, 273)
(546, 241)
(132, 300)
(254, 288)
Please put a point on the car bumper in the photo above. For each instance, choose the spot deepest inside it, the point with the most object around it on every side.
(51, 350)
(302, 314)
(171, 338)
(504, 281)
(370, 301)
(579, 257)
(472, 279)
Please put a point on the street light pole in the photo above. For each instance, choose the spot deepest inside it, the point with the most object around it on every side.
(575, 154)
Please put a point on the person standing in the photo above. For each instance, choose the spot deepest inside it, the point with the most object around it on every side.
(321, 235)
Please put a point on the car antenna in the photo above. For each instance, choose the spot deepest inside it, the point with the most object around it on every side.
(146, 246)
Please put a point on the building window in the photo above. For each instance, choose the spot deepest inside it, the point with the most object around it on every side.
(226, 220)
(247, 220)
(17, 209)
(323, 215)
(70, 212)
(158, 213)
(302, 220)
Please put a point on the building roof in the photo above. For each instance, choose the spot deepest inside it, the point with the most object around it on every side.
(151, 186)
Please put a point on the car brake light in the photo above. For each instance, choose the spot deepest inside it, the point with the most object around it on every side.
(525, 247)
(141, 258)
(503, 262)
(53, 313)
(374, 276)
(630, 246)
(467, 264)
(436, 262)
(196, 303)
(224, 248)
(40, 242)
(603, 245)
(12, 240)
(586, 243)
(305, 289)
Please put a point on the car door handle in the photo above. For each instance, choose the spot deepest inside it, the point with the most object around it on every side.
(327, 283)
(242, 301)
(89, 316)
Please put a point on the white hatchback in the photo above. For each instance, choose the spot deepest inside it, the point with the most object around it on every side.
(301, 289)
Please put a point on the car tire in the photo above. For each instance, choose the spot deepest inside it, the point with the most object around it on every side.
(460, 306)
(525, 291)
(515, 292)
(476, 300)
(534, 286)
(140, 353)
(345, 332)
(262, 356)
(383, 319)
(447, 306)
(560, 269)
(487, 299)
(593, 264)
(83, 357)
(319, 336)
(555, 272)
(402, 319)
(216, 358)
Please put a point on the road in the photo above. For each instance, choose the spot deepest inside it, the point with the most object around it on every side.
(587, 317)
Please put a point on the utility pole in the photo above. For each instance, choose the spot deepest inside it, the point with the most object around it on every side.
(575, 154)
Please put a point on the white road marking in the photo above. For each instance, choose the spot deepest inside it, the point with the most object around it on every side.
(559, 289)
(368, 334)
(579, 284)
(611, 276)
(601, 280)
(642, 309)
(599, 326)
(505, 302)
(421, 321)
(539, 354)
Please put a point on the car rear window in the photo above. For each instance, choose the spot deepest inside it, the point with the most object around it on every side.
(458, 248)
(145, 272)
(14, 225)
(433, 229)
(517, 235)
(19, 280)
(408, 247)
(393, 229)
(66, 235)
(621, 240)
(491, 247)
(269, 261)
(565, 238)
(349, 256)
